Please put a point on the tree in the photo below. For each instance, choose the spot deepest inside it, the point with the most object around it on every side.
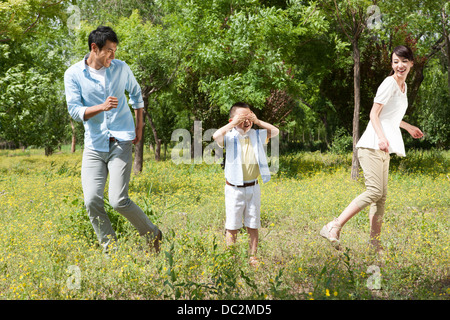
(31, 62)
(433, 106)
(18, 18)
(155, 59)
(352, 17)
(30, 112)
(445, 16)
(241, 51)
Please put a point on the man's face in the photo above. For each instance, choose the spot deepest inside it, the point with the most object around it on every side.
(106, 55)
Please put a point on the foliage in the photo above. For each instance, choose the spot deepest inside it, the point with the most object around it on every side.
(289, 59)
(32, 60)
(433, 107)
(342, 142)
(27, 115)
(20, 17)
(46, 233)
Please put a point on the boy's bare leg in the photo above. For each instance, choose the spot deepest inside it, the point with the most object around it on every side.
(231, 236)
(253, 246)
(253, 240)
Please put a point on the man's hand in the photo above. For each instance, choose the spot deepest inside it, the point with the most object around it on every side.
(138, 136)
(110, 103)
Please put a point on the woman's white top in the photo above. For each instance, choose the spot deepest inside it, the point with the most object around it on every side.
(395, 103)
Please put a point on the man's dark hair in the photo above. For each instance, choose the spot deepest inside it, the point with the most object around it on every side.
(236, 106)
(100, 35)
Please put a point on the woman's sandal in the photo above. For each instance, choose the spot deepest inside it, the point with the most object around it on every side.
(326, 233)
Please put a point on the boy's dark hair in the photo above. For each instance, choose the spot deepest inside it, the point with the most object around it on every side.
(238, 105)
(100, 35)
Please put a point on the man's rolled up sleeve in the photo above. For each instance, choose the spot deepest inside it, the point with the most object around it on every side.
(73, 97)
(134, 90)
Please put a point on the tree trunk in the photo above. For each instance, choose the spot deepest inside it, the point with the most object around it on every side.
(48, 151)
(357, 101)
(139, 152)
(155, 134)
(158, 150)
(447, 45)
(74, 137)
(146, 92)
(325, 124)
(447, 49)
(415, 86)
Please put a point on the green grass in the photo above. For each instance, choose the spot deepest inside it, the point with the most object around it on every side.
(46, 237)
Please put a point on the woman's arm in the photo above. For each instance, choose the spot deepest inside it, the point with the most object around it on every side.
(413, 131)
(383, 143)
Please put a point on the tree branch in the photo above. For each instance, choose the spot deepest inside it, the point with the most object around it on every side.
(33, 24)
(340, 20)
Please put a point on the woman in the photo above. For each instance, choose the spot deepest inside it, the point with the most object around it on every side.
(382, 137)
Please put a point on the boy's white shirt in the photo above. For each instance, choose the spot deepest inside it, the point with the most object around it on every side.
(233, 161)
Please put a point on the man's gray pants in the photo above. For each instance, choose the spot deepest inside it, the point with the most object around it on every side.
(94, 172)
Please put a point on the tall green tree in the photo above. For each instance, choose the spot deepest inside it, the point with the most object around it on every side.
(155, 58)
(31, 63)
(352, 18)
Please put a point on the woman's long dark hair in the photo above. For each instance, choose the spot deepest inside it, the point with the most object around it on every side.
(402, 52)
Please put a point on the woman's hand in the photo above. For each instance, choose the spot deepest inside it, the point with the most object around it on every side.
(415, 132)
(383, 144)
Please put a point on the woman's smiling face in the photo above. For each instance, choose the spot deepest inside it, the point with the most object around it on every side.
(401, 66)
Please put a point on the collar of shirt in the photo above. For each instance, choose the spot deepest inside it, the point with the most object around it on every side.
(87, 69)
(234, 131)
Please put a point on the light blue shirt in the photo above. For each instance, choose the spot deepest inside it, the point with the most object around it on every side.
(233, 161)
(83, 91)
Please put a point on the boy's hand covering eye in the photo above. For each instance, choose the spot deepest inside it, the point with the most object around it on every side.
(237, 119)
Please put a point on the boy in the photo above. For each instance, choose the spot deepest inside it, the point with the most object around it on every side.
(245, 162)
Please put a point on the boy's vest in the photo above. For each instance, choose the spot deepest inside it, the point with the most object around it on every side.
(233, 162)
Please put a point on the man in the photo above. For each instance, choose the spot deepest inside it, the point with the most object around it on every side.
(95, 93)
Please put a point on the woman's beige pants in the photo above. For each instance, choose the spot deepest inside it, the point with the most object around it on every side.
(375, 164)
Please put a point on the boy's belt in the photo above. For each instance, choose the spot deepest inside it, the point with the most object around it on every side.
(248, 184)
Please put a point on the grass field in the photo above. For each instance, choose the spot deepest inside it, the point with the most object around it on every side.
(48, 249)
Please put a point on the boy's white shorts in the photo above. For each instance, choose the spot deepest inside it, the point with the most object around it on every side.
(242, 203)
